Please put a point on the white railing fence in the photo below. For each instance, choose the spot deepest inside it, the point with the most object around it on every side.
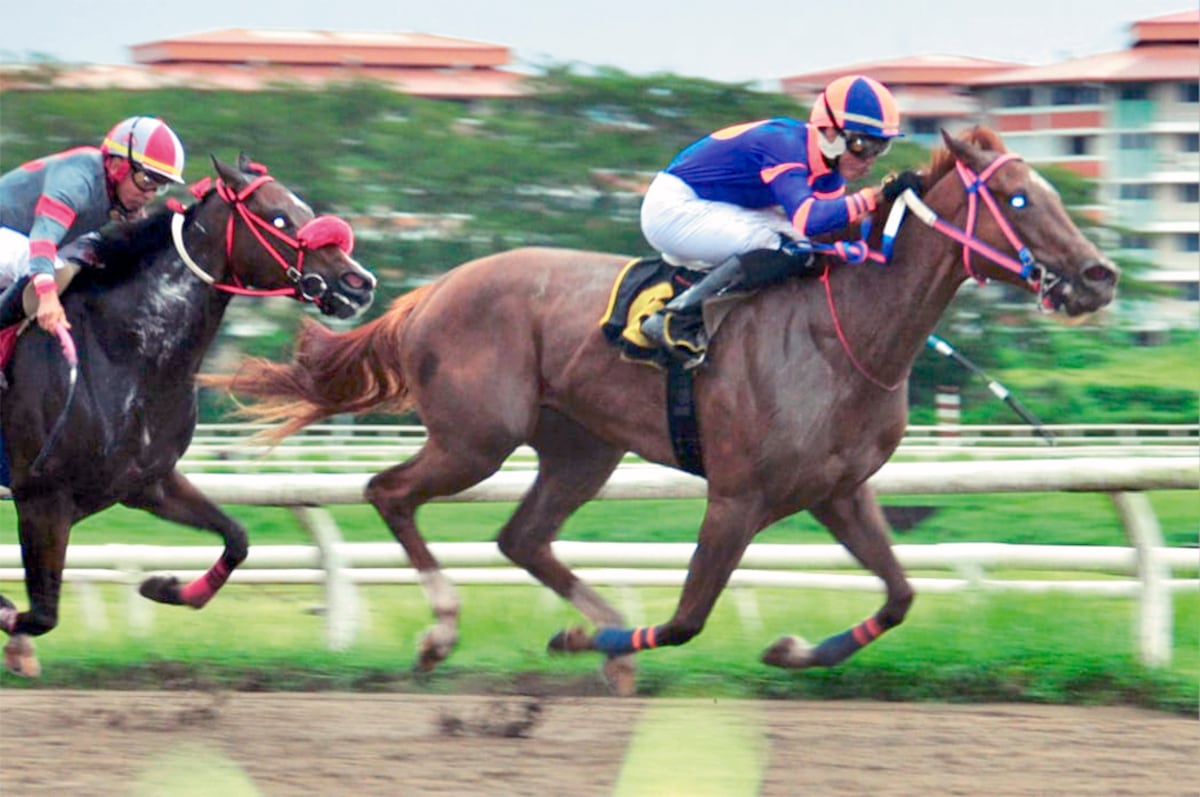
(358, 447)
(342, 566)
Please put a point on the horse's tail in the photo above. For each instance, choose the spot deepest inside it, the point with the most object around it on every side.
(330, 373)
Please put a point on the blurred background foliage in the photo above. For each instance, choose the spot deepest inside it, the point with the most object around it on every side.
(562, 167)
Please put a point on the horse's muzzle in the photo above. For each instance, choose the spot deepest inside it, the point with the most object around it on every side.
(349, 296)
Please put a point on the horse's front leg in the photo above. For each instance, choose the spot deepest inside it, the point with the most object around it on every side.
(176, 499)
(44, 523)
(858, 523)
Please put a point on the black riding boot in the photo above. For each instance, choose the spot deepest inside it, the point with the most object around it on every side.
(678, 326)
(12, 306)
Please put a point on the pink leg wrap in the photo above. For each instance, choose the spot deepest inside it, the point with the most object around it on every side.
(200, 591)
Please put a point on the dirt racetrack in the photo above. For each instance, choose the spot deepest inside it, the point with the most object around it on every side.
(128, 744)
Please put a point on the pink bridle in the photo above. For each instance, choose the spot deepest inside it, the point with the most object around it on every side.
(976, 186)
(317, 232)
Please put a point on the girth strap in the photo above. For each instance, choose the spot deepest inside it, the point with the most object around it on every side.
(681, 419)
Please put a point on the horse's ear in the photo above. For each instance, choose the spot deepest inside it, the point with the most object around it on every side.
(244, 162)
(228, 174)
(963, 151)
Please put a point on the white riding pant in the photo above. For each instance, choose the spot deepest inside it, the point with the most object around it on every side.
(14, 254)
(700, 233)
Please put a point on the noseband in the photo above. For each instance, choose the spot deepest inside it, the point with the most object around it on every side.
(316, 233)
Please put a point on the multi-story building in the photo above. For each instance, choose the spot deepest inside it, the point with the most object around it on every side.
(1130, 121)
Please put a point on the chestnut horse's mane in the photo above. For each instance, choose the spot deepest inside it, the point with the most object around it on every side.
(943, 159)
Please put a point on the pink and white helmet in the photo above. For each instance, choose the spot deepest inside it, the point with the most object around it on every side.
(149, 144)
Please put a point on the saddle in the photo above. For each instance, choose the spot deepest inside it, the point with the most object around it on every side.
(641, 288)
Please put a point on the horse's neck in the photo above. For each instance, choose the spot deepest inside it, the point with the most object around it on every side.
(162, 311)
(886, 312)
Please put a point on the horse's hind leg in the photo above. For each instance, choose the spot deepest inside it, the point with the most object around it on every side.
(857, 522)
(729, 525)
(397, 493)
(572, 467)
(176, 499)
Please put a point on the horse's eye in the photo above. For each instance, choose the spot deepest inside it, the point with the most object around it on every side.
(1018, 201)
(280, 222)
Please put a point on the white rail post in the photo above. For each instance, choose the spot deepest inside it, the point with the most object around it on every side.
(1155, 610)
(948, 411)
(341, 597)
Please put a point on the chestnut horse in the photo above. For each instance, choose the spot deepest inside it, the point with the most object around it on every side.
(143, 323)
(800, 402)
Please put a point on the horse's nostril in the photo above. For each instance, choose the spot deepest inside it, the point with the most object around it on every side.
(355, 281)
(1101, 273)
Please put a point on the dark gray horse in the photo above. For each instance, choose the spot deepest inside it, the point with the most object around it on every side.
(142, 325)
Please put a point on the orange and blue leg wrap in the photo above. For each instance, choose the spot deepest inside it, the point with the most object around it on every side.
(619, 641)
(839, 647)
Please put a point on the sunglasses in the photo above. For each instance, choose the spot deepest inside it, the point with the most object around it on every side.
(861, 146)
(144, 181)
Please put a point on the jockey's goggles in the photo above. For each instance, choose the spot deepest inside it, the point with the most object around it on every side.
(145, 181)
(861, 146)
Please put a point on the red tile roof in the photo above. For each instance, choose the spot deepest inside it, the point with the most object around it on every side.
(1183, 27)
(433, 83)
(241, 45)
(239, 59)
(932, 69)
(1160, 62)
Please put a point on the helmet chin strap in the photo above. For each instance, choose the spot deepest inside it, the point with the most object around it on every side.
(832, 150)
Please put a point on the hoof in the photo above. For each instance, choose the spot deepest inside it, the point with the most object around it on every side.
(20, 658)
(435, 647)
(792, 652)
(621, 674)
(573, 640)
(162, 589)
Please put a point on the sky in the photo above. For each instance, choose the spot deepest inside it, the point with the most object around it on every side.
(730, 41)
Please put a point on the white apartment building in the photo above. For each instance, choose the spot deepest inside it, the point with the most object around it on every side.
(1129, 120)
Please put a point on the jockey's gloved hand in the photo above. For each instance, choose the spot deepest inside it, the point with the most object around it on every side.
(855, 252)
(896, 184)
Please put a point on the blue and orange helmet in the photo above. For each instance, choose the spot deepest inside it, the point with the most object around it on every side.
(857, 104)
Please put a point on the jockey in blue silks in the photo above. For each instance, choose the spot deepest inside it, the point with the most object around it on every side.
(740, 202)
